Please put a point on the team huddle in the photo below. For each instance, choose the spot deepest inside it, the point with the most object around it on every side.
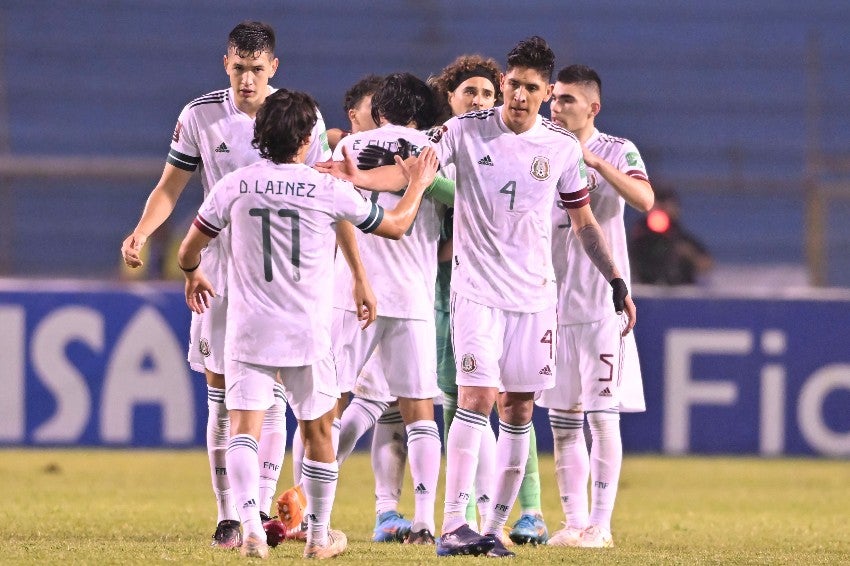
(451, 246)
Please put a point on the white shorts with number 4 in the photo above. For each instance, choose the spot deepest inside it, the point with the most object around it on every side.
(513, 351)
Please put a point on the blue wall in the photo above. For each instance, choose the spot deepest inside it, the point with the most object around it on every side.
(104, 365)
(716, 89)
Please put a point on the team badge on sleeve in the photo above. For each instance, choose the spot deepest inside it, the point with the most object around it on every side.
(633, 159)
(467, 363)
(540, 168)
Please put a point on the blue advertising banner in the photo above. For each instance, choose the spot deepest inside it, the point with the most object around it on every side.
(88, 364)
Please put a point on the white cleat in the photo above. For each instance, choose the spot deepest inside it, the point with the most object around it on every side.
(336, 545)
(568, 536)
(596, 537)
(255, 547)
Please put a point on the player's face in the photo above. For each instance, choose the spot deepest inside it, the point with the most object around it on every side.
(573, 106)
(249, 77)
(361, 115)
(475, 93)
(524, 91)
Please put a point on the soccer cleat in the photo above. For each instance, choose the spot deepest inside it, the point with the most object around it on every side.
(290, 507)
(275, 530)
(423, 536)
(336, 545)
(499, 550)
(596, 537)
(255, 547)
(464, 541)
(568, 536)
(529, 529)
(227, 534)
(390, 526)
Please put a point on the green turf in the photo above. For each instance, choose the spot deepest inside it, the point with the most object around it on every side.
(156, 507)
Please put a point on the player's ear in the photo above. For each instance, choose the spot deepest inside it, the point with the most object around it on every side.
(275, 63)
(549, 90)
(224, 59)
(595, 107)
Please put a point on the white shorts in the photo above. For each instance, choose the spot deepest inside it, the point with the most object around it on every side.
(597, 369)
(206, 337)
(513, 351)
(372, 382)
(407, 353)
(311, 391)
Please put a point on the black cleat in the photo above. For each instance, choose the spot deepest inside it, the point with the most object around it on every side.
(228, 534)
(464, 541)
(499, 551)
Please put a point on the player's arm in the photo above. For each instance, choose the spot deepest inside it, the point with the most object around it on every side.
(419, 174)
(365, 302)
(593, 241)
(157, 209)
(636, 192)
(198, 288)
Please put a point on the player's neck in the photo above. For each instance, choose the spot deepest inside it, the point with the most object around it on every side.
(585, 133)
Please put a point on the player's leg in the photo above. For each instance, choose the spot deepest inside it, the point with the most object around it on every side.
(389, 458)
(271, 450)
(250, 392)
(478, 353)
(312, 392)
(572, 469)
(530, 527)
(206, 347)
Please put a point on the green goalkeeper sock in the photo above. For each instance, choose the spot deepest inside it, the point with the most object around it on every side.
(529, 490)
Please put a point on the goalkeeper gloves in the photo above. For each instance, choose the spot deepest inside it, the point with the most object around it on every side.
(373, 156)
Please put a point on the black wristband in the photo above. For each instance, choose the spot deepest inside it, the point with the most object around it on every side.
(189, 269)
(619, 293)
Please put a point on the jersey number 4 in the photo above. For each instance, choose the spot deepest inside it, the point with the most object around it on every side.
(265, 216)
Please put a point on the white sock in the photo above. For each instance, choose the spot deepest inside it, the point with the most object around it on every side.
(357, 419)
(319, 480)
(244, 471)
(462, 447)
(511, 456)
(389, 457)
(572, 465)
(218, 434)
(297, 456)
(606, 459)
(424, 450)
(484, 471)
(271, 449)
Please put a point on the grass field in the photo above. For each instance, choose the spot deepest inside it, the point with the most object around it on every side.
(156, 507)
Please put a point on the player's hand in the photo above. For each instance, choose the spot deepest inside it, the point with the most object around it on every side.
(373, 156)
(199, 291)
(590, 158)
(623, 302)
(365, 302)
(131, 249)
(421, 170)
(345, 169)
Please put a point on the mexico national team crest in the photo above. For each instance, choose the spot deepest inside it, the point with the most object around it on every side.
(540, 168)
(204, 347)
(467, 363)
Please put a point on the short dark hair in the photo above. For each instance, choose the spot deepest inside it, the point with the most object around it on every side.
(249, 38)
(580, 74)
(362, 88)
(283, 125)
(533, 53)
(405, 98)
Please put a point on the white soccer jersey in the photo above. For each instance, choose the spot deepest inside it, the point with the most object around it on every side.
(214, 136)
(280, 270)
(506, 186)
(583, 293)
(402, 272)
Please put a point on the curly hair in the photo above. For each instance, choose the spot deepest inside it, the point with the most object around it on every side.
(404, 98)
(462, 68)
(249, 38)
(283, 125)
(533, 53)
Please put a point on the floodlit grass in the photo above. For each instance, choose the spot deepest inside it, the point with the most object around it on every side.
(156, 507)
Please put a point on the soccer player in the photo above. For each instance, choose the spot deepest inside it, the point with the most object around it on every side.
(281, 215)
(403, 276)
(213, 135)
(357, 104)
(511, 166)
(598, 374)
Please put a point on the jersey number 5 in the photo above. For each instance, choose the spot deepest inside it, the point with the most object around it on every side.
(266, 229)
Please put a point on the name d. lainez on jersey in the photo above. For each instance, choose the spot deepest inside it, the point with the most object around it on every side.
(297, 189)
